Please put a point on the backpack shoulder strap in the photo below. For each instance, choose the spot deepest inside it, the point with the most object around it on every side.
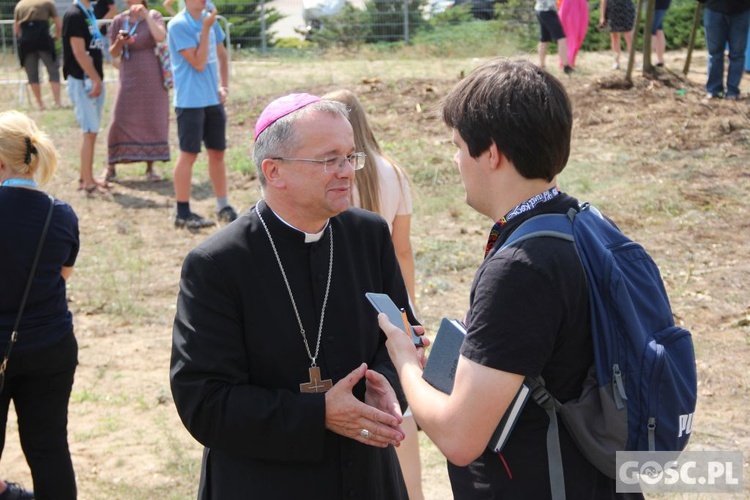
(554, 225)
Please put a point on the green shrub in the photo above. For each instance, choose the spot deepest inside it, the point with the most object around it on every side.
(474, 38)
(246, 21)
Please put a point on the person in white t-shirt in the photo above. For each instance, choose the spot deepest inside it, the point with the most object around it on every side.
(383, 187)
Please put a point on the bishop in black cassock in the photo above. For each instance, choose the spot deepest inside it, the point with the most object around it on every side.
(238, 358)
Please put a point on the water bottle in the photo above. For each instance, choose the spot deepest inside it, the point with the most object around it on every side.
(88, 85)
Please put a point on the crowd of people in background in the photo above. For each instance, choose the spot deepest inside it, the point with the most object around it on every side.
(139, 126)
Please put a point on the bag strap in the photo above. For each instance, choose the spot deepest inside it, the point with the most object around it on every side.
(549, 404)
(14, 335)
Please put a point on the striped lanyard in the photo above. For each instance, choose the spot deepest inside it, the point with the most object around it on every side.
(516, 211)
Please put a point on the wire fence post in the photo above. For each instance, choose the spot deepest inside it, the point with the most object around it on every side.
(406, 21)
(263, 39)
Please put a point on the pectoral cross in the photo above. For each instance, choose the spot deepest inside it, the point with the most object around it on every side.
(315, 384)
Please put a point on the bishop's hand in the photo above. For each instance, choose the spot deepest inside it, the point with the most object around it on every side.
(380, 394)
(350, 417)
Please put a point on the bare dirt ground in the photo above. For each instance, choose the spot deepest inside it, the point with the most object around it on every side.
(672, 169)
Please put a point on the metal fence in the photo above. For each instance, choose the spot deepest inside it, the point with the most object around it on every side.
(258, 24)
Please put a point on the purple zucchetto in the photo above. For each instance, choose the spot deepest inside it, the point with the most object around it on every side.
(282, 107)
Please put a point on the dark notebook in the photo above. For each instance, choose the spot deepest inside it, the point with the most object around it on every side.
(440, 372)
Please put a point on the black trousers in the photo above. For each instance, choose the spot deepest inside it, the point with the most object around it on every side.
(39, 383)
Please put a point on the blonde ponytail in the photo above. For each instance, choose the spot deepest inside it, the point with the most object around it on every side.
(24, 149)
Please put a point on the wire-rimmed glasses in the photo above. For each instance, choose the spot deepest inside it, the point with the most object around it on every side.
(334, 163)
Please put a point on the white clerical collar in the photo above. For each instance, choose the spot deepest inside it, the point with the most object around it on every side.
(309, 237)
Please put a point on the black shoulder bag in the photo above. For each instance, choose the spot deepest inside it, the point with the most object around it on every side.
(14, 335)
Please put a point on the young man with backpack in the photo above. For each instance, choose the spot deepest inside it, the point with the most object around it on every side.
(529, 312)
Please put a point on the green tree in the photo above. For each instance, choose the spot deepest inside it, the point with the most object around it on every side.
(245, 17)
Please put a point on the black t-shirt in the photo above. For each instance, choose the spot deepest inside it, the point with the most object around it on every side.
(75, 25)
(529, 315)
(101, 7)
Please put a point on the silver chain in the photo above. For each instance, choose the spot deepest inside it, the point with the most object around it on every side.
(289, 289)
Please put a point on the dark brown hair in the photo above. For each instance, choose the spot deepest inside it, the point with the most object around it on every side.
(523, 109)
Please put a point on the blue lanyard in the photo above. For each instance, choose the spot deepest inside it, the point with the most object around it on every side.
(126, 49)
(127, 26)
(90, 20)
(19, 182)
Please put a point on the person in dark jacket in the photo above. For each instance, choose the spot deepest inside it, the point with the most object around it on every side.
(278, 366)
(43, 360)
(726, 24)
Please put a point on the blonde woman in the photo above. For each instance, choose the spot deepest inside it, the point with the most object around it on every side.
(40, 369)
(382, 186)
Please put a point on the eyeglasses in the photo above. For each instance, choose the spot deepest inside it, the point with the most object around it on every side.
(334, 163)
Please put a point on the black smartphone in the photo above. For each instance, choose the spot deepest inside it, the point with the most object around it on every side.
(383, 303)
(124, 34)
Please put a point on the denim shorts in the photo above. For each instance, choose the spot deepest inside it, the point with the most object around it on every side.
(88, 110)
(658, 21)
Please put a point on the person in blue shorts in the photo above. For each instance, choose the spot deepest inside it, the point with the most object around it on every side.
(82, 68)
(200, 65)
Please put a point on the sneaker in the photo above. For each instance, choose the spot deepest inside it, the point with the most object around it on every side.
(193, 221)
(226, 214)
(568, 69)
(15, 492)
(616, 65)
(731, 97)
(660, 65)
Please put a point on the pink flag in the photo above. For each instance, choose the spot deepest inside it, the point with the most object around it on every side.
(574, 17)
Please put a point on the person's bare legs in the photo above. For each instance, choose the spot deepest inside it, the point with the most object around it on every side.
(217, 171)
(88, 142)
(562, 52)
(615, 42)
(660, 44)
(408, 457)
(37, 91)
(110, 172)
(628, 40)
(151, 176)
(56, 93)
(182, 174)
(542, 49)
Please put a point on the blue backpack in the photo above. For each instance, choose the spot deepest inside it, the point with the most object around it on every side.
(641, 391)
